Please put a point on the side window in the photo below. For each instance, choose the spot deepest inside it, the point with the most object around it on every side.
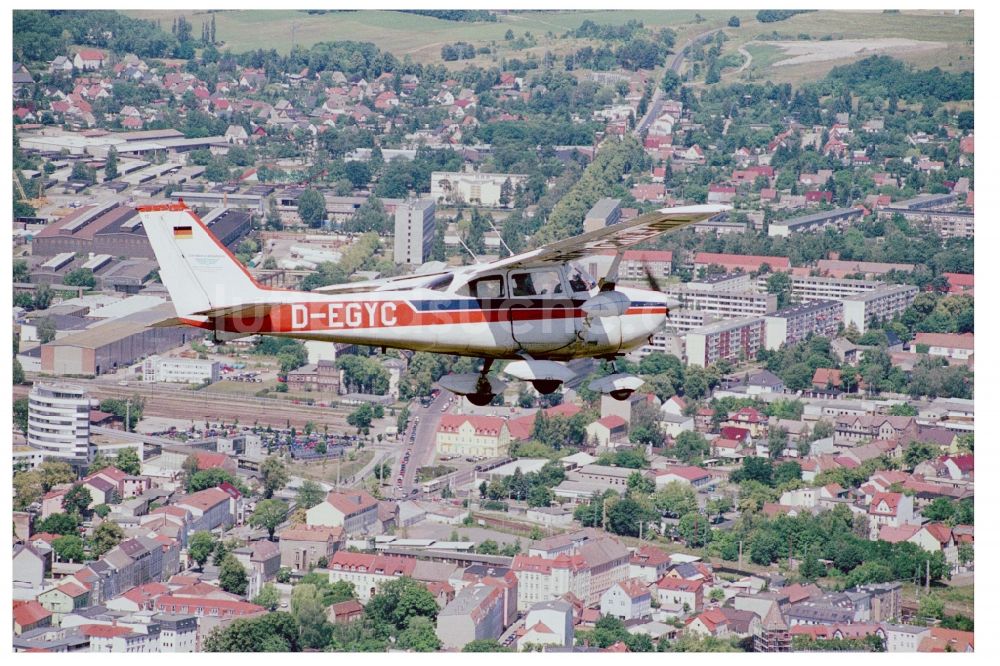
(486, 288)
(536, 283)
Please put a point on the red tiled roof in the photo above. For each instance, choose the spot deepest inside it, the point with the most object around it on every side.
(311, 533)
(29, 612)
(351, 503)
(544, 565)
(679, 584)
(891, 500)
(225, 607)
(746, 261)
(939, 531)
(951, 340)
(104, 630)
(689, 472)
(484, 425)
(649, 556)
(612, 422)
(389, 565)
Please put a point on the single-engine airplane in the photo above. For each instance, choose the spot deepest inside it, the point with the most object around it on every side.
(537, 308)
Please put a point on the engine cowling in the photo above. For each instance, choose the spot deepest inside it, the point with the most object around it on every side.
(606, 304)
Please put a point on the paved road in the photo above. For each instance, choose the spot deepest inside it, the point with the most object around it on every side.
(422, 450)
(656, 102)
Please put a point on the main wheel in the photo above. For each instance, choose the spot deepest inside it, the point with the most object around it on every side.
(621, 394)
(481, 399)
(546, 386)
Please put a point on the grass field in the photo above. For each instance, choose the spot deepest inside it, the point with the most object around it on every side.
(421, 37)
(328, 471)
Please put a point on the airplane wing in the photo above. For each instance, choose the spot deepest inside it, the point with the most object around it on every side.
(393, 283)
(614, 237)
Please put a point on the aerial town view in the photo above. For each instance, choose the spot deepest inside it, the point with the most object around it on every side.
(480, 330)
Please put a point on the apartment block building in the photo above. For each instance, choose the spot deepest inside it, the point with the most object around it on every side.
(880, 304)
(838, 218)
(414, 231)
(807, 288)
(731, 340)
(722, 303)
(796, 323)
(472, 187)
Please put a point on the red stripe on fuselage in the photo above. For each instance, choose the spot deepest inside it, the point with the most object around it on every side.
(359, 315)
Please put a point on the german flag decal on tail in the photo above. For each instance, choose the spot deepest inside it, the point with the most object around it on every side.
(183, 232)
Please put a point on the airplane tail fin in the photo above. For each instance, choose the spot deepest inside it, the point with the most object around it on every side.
(198, 271)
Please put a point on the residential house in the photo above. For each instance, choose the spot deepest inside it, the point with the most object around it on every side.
(696, 477)
(303, 546)
(30, 615)
(678, 595)
(346, 612)
(608, 432)
(356, 511)
(892, 509)
(367, 571)
(476, 613)
(627, 600)
(210, 508)
(547, 623)
(65, 598)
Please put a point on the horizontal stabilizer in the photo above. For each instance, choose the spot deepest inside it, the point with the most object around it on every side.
(251, 310)
(168, 323)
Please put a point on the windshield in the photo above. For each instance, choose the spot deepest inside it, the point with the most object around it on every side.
(579, 280)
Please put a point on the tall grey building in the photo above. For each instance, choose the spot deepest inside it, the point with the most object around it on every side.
(605, 212)
(414, 231)
(59, 422)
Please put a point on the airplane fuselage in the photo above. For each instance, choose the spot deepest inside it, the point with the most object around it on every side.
(554, 327)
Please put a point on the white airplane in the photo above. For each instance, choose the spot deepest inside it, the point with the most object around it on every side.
(536, 308)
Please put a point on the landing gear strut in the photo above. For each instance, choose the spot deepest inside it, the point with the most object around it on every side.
(484, 391)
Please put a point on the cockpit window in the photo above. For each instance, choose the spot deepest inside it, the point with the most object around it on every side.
(487, 287)
(536, 283)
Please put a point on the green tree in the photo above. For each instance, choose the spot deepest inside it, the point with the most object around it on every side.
(271, 632)
(734, 22)
(626, 515)
(485, 645)
(918, 452)
(46, 329)
(309, 494)
(59, 523)
(80, 277)
(675, 499)
(43, 297)
(399, 600)
(21, 414)
(419, 636)
(232, 575)
(310, 614)
(268, 597)
(106, 536)
(111, 164)
(200, 547)
(312, 208)
(128, 461)
(269, 514)
(70, 548)
(274, 475)
(694, 529)
(77, 500)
